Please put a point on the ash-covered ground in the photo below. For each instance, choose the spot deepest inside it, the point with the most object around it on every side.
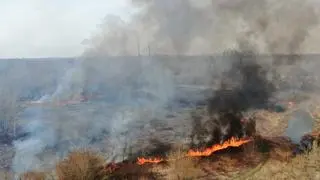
(126, 106)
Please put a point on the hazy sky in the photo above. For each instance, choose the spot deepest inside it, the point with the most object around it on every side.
(42, 28)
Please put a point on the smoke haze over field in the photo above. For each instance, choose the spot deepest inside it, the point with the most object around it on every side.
(206, 27)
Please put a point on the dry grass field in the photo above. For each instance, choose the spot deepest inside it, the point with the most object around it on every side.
(268, 157)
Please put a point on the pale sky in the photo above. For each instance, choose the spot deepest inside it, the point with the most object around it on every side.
(51, 28)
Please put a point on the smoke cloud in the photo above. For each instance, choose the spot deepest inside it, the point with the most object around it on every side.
(206, 27)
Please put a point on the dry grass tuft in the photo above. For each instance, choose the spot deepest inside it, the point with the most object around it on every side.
(271, 124)
(81, 165)
(6, 175)
(135, 171)
(184, 167)
(33, 175)
(305, 166)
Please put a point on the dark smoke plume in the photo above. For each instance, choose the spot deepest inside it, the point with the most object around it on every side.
(245, 86)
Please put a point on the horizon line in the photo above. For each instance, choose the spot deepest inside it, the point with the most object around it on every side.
(152, 55)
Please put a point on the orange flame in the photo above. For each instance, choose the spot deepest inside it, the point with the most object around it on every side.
(142, 161)
(233, 142)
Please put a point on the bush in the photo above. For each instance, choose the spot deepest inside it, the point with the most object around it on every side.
(81, 165)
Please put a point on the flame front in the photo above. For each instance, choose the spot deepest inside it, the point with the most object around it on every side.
(233, 142)
(142, 160)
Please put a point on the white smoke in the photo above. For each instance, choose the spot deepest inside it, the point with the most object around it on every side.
(42, 133)
(300, 124)
(144, 88)
(26, 150)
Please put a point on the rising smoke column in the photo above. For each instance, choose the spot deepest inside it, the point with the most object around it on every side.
(42, 133)
(27, 149)
(245, 86)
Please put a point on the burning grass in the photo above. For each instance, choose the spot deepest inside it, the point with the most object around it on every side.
(233, 142)
(258, 159)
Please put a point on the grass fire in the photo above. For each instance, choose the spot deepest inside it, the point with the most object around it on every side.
(232, 127)
(239, 126)
(233, 142)
(177, 89)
